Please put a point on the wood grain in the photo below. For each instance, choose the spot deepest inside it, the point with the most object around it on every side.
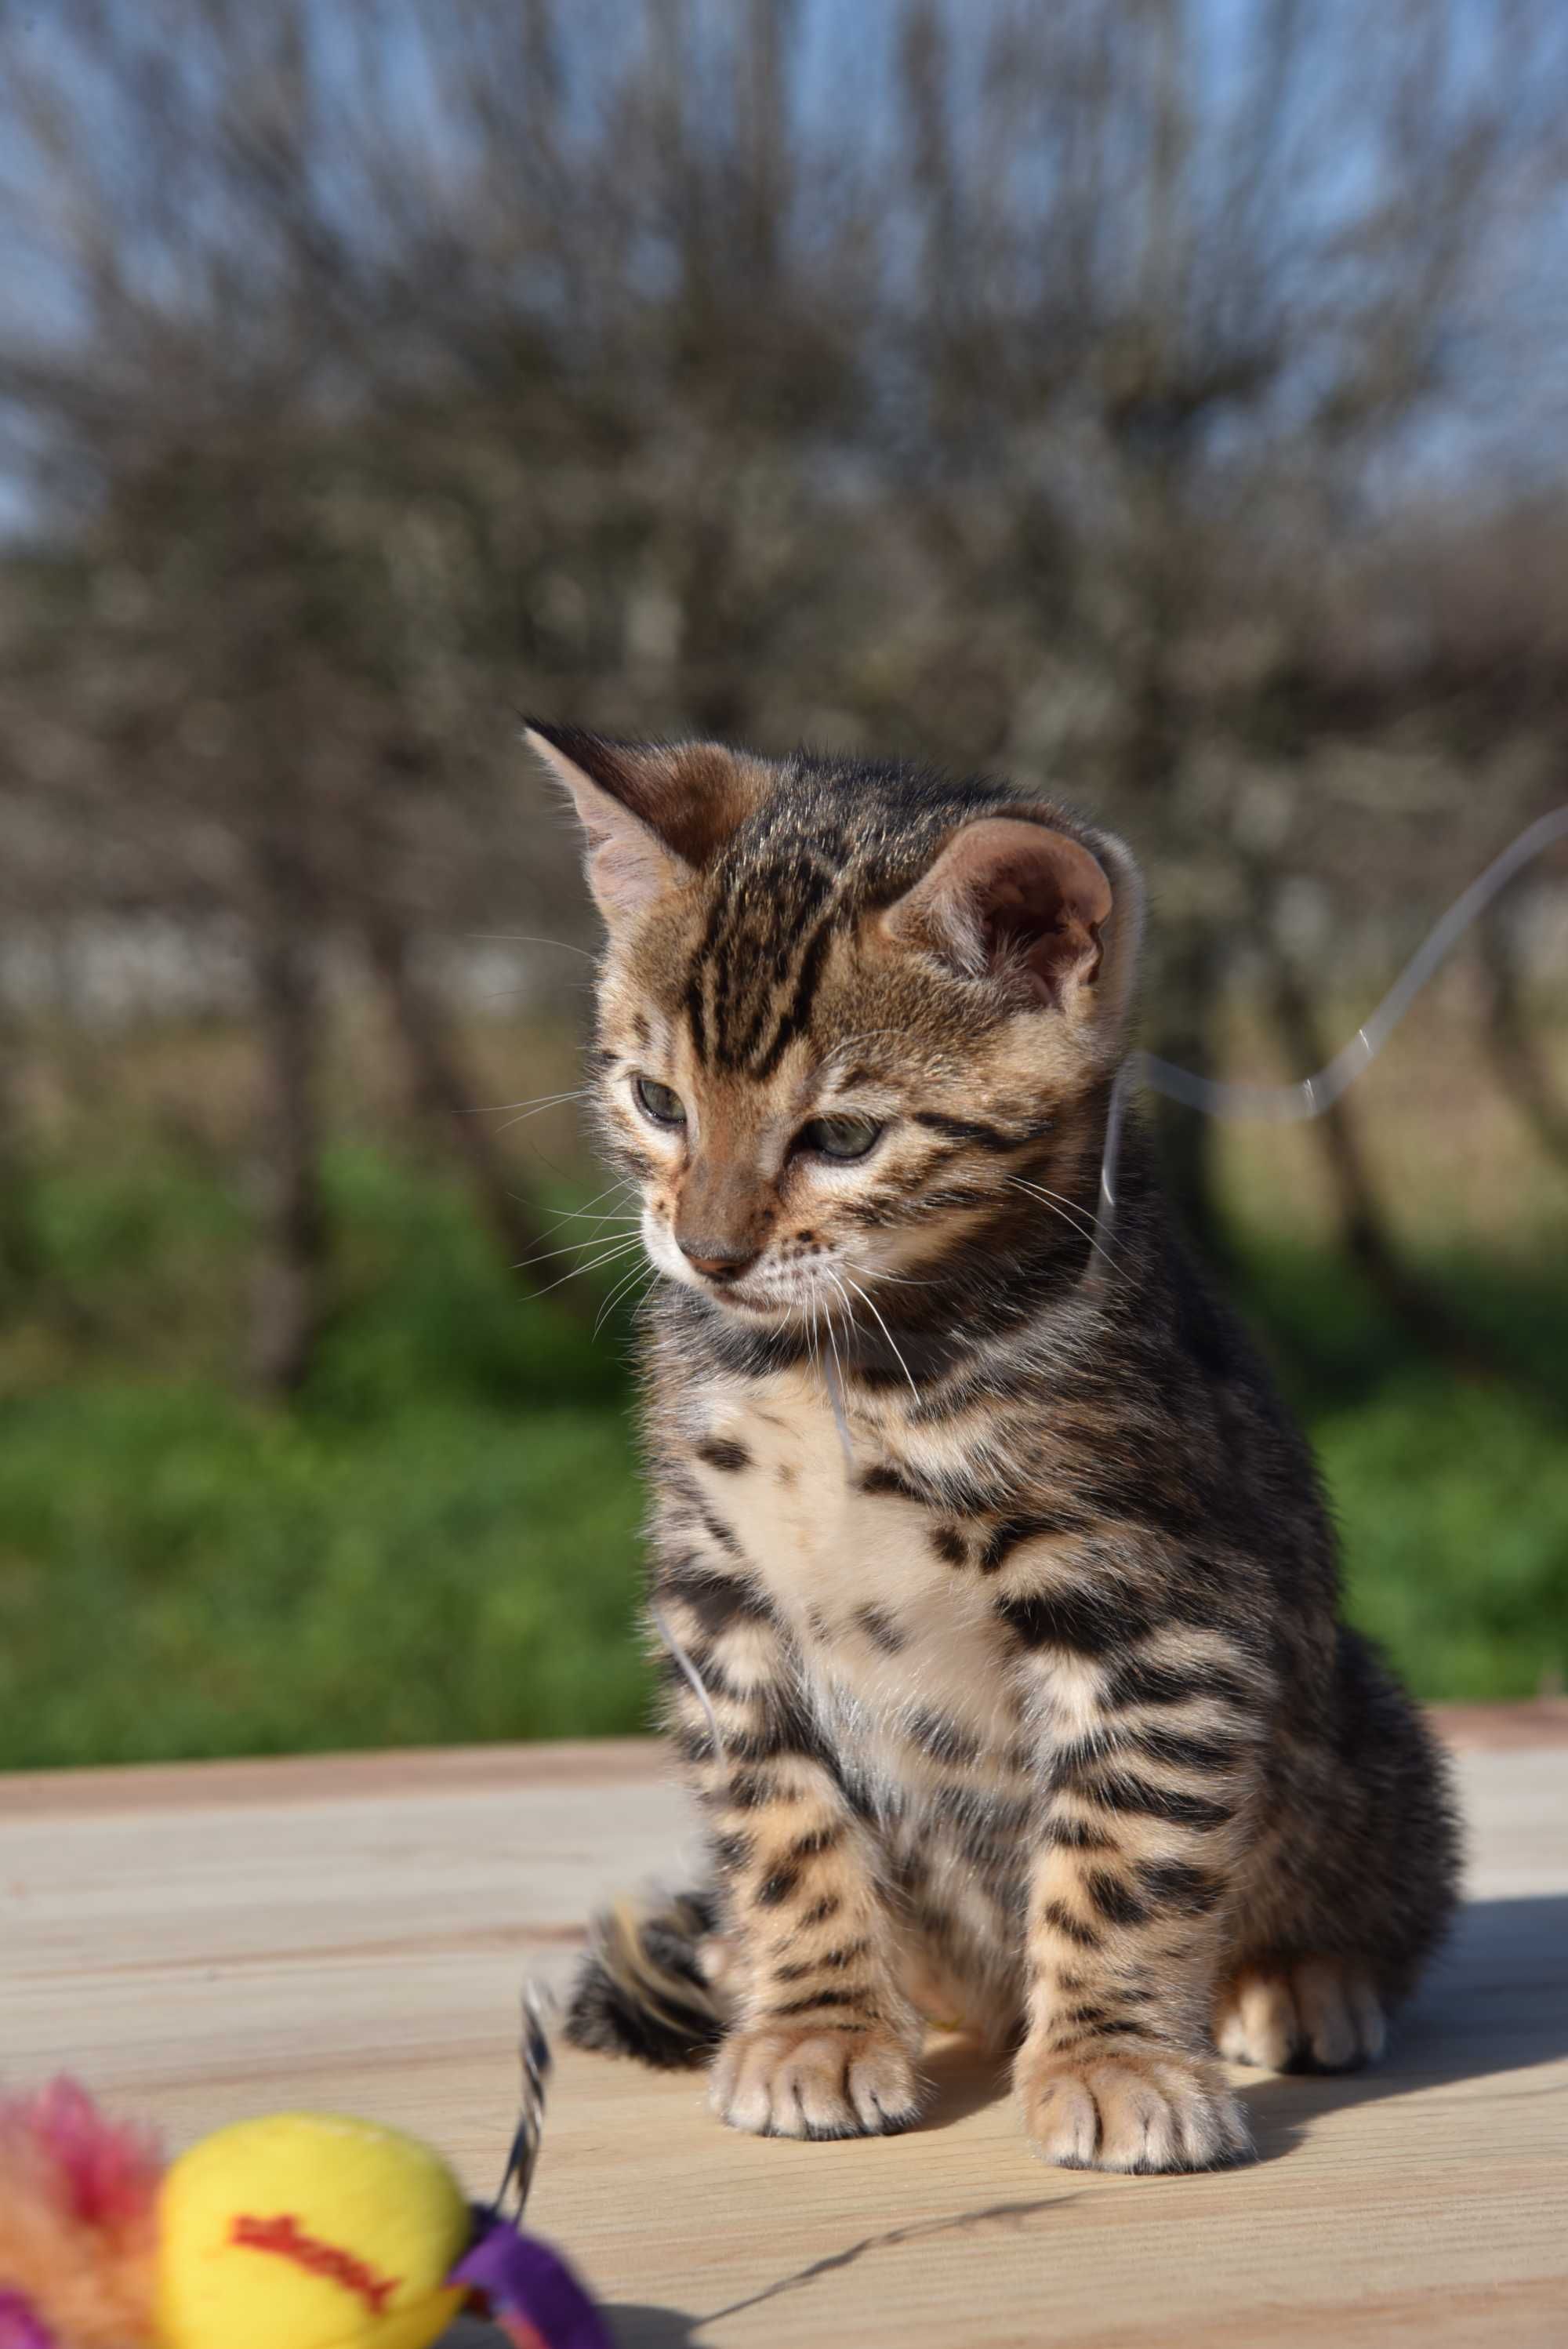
(208, 1941)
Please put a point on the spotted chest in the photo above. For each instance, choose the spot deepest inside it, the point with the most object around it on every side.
(861, 1572)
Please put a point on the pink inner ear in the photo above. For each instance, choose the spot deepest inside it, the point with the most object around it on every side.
(1007, 889)
(1051, 913)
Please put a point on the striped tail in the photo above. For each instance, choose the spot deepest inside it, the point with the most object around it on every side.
(642, 1989)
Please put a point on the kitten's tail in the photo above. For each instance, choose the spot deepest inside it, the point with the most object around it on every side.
(648, 1985)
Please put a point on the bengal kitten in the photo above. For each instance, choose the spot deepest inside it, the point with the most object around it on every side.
(1007, 1582)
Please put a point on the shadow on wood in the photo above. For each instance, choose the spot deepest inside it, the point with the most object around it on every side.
(1496, 2001)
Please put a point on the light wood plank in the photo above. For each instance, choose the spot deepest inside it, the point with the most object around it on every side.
(205, 1942)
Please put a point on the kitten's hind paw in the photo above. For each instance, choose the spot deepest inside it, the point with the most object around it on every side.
(815, 2082)
(1321, 2015)
(1129, 2111)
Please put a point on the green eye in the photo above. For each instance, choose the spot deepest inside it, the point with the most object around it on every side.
(659, 1102)
(839, 1137)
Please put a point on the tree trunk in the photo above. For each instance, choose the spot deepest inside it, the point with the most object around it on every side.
(1184, 1004)
(1522, 1066)
(19, 1238)
(288, 1305)
(1180, 1028)
(1418, 1311)
(446, 1098)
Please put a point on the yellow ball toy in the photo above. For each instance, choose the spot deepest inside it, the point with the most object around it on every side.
(309, 2230)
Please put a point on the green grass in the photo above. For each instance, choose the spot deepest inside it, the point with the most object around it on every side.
(181, 1578)
(1451, 1497)
(439, 1541)
(1454, 1508)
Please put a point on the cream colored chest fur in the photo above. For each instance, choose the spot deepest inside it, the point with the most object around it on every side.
(885, 1624)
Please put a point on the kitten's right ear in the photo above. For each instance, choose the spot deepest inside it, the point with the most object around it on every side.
(653, 814)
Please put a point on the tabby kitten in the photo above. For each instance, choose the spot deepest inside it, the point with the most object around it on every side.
(1010, 1589)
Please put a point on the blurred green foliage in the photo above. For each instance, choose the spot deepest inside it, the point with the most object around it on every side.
(1451, 1497)
(438, 1540)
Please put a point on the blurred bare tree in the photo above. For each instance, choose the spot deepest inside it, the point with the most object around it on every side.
(1153, 398)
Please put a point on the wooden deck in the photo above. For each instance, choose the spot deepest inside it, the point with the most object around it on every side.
(206, 1943)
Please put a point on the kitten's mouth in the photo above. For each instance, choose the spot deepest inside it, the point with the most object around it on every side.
(753, 1300)
(756, 1304)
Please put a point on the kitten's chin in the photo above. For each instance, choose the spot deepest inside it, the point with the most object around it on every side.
(774, 1312)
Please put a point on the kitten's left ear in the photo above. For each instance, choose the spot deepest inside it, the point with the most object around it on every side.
(653, 814)
(1044, 913)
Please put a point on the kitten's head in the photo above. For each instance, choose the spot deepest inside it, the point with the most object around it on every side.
(854, 1020)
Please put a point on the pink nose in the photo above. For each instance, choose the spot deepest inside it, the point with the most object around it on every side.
(715, 1261)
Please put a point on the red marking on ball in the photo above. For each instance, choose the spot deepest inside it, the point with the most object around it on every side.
(286, 2239)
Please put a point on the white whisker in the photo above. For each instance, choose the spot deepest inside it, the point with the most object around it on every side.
(834, 1382)
(887, 1333)
(518, 938)
(556, 1101)
(629, 1280)
(536, 1101)
(897, 1279)
(833, 1341)
(610, 1256)
(595, 1239)
(568, 1214)
(1068, 1210)
(651, 1282)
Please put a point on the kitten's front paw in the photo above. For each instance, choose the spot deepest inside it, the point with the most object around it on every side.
(1121, 2110)
(815, 2084)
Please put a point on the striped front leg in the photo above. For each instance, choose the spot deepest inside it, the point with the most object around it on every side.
(1148, 1813)
(822, 2043)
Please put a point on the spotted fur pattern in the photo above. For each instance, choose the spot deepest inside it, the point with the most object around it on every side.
(1009, 1581)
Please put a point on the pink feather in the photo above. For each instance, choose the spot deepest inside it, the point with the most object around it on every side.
(78, 2217)
(107, 2171)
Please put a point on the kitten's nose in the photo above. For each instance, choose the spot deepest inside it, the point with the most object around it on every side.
(717, 1262)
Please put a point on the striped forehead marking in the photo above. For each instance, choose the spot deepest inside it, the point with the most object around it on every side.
(754, 975)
